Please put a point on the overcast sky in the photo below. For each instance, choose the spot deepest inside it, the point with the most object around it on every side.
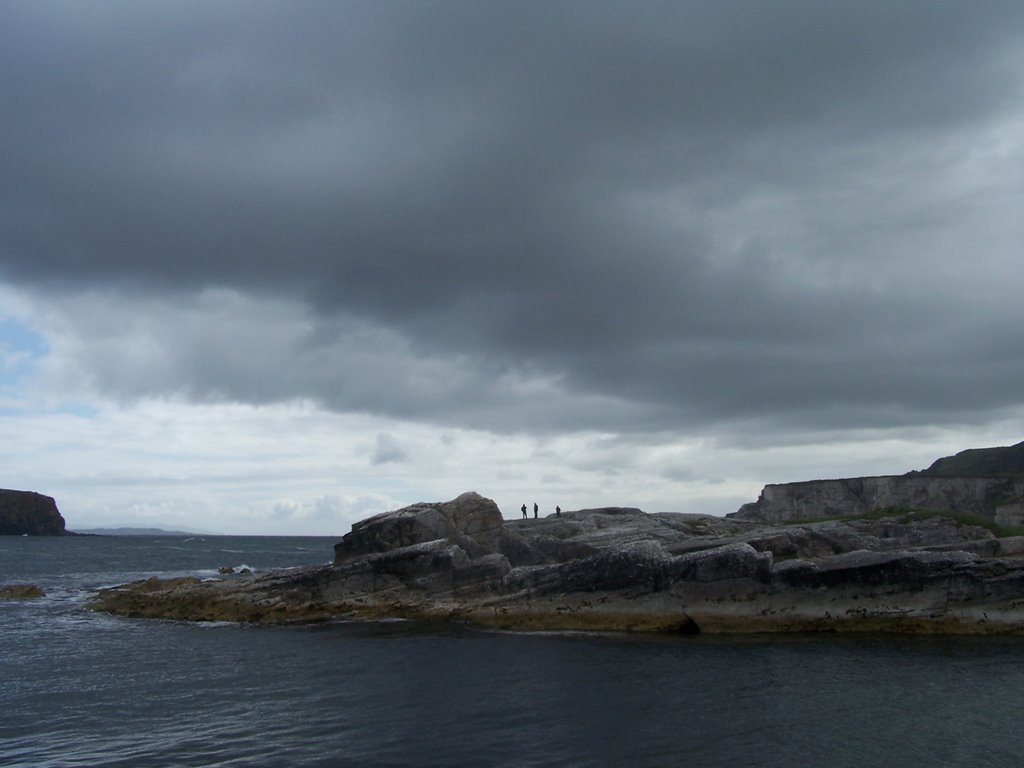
(270, 267)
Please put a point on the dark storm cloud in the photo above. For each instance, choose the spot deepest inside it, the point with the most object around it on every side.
(676, 212)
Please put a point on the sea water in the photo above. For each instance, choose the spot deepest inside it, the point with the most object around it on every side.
(79, 688)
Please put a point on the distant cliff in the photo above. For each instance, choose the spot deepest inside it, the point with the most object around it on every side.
(25, 512)
(982, 481)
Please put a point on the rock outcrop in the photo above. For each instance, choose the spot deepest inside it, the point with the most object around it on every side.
(25, 512)
(815, 499)
(988, 482)
(470, 521)
(622, 569)
(21, 592)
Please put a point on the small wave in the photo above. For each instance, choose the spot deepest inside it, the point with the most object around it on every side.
(229, 570)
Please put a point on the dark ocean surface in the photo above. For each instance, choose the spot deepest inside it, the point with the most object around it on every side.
(84, 689)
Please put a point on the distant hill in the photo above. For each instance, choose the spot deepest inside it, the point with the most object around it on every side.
(128, 531)
(1005, 461)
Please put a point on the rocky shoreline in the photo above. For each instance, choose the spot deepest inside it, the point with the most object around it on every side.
(620, 569)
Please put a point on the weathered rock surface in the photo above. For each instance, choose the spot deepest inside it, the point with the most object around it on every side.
(25, 512)
(470, 521)
(623, 569)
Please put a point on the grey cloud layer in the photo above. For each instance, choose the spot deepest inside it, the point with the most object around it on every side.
(674, 212)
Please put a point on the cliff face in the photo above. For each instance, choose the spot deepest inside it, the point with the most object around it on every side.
(25, 512)
(979, 481)
(815, 499)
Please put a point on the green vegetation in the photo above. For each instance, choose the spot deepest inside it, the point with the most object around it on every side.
(902, 514)
(1007, 461)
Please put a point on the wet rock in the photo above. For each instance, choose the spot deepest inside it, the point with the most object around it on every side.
(21, 592)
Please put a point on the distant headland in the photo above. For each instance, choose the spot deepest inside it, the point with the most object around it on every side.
(26, 513)
(127, 530)
(817, 556)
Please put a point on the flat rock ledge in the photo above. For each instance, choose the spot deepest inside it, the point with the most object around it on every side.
(620, 569)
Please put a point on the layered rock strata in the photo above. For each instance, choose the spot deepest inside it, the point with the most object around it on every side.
(979, 481)
(623, 569)
(786, 502)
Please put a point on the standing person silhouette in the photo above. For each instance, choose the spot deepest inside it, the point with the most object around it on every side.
(558, 511)
(524, 511)
(535, 510)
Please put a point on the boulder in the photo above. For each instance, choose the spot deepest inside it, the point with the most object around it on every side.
(470, 521)
(728, 562)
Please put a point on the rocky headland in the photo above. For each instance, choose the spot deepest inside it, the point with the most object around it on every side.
(893, 568)
(29, 513)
